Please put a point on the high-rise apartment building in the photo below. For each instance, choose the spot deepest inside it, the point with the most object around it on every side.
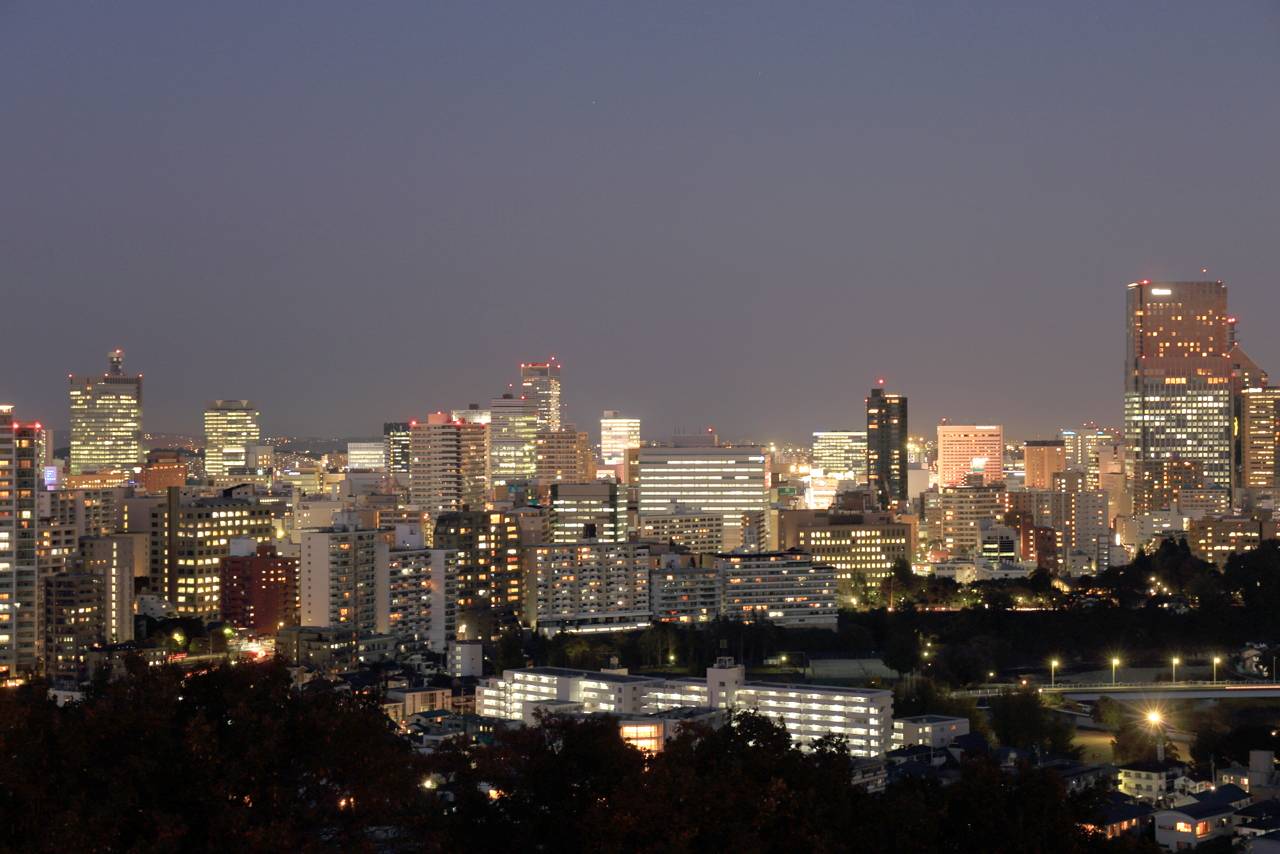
(490, 583)
(343, 577)
(396, 447)
(887, 445)
(954, 515)
(106, 419)
(20, 576)
(785, 588)
(841, 454)
(230, 430)
(259, 588)
(965, 449)
(422, 583)
(730, 481)
(1178, 376)
(592, 586)
(1042, 459)
(117, 559)
(449, 467)
(513, 425)
(617, 435)
(540, 382)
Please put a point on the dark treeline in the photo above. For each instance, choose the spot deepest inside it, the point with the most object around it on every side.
(236, 760)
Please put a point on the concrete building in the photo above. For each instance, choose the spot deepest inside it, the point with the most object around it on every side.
(259, 588)
(1259, 438)
(397, 447)
(732, 482)
(786, 588)
(20, 575)
(490, 577)
(862, 548)
(1216, 539)
(587, 511)
(954, 516)
(965, 449)
(344, 577)
(1042, 459)
(684, 592)
(366, 456)
(808, 712)
(618, 434)
(106, 419)
(563, 456)
(449, 464)
(118, 559)
(423, 593)
(934, 731)
(230, 429)
(592, 586)
(887, 445)
(700, 533)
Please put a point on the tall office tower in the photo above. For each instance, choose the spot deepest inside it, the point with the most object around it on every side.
(396, 448)
(117, 559)
(449, 467)
(1178, 371)
(887, 445)
(20, 576)
(259, 588)
(490, 585)
(563, 456)
(106, 419)
(366, 456)
(230, 429)
(1115, 478)
(422, 582)
(513, 425)
(592, 586)
(343, 577)
(965, 449)
(617, 435)
(1259, 438)
(841, 453)
(540, 382)
(587, 511)
(1042, 459)
(733, 482)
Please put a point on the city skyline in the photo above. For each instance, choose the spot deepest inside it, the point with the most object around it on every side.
(954, 201)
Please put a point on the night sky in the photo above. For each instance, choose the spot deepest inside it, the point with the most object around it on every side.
(737, 213)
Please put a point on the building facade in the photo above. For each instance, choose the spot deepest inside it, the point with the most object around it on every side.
(106, 419)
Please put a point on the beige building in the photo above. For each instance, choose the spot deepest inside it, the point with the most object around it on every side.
(230, 430)
(1216, 540)
(1042, 459)
(563, 456)
(1259, 437)
(965, 449)
(448, 464)
(861, 547)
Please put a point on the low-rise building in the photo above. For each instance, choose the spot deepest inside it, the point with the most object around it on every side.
(936, 731)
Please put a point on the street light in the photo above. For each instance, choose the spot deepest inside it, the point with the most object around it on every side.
(1156, 720)
(1175, 661)
(1216, 661)
(1115, 662)
(1053, 672)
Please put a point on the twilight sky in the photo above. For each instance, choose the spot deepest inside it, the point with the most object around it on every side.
(731, 213)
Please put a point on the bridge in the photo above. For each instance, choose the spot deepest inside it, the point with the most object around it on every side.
(1128, 691)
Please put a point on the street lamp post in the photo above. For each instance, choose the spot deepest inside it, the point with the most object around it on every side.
(1175, 661)
(1115, 662)
(1053, 673)
(1157, 724)
(1216, 661)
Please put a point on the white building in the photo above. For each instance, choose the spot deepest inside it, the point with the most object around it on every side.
(366, 456)
(700, 533)
(343, 577)
(782, 587)
(731, 482)
(862, 715)
(230, 429)
(575, 506)
(422, 590)
(106, 419)
(513, 427)
(591, 586)
(936, 731)
(618, 434)
(448, 464)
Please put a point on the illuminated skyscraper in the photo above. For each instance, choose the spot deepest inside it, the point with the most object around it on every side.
(887, 444)
(841, 453)
(513, 425)
(617, 435)
(449, 469)
(1259, 438)
(1178, 368)
(965, 449)
(230, 429)
(106, 419)
(540, 382)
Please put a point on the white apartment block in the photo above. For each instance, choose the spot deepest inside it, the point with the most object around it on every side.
(862, 715)
(786, 588)
(729, 482)
(591, 586)
(936, 731)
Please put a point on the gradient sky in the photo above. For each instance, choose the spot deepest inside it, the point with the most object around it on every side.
(736, 213)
